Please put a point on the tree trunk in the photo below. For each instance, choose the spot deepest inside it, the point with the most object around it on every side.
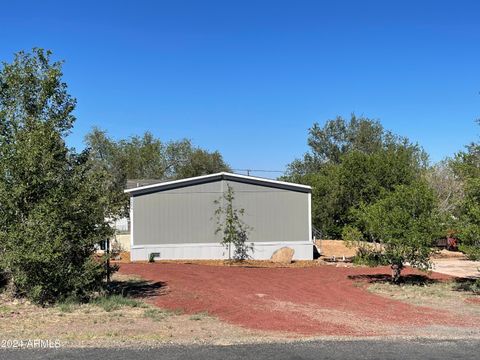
(396, 270)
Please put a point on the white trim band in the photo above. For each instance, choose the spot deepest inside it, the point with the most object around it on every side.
(210, 251)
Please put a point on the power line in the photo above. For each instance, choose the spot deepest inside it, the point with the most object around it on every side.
(248, 171)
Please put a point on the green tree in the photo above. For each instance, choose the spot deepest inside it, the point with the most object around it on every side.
(52, 203)
(105, 159)
(447, 186)
(467, 167)
(232, 227)
(352, 163)
(405, 223)
(200, 162)
(146, 157)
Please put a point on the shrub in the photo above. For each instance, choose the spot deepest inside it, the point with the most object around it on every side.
(53, 202)
(369, 257)
(115, 302)
(352, 236)
(404, 221)
(471, 251)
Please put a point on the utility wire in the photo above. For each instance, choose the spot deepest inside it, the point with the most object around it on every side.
(248, 171)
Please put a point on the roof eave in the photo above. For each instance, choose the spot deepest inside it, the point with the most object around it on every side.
(215, 177)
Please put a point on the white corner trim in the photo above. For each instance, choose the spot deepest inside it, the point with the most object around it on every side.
(266, 180)
(310, 217)
(261, 251)
(131, 221)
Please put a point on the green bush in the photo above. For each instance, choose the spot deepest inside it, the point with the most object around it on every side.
(475, 286)
(369, 257)
(405, 222)
(471, 251)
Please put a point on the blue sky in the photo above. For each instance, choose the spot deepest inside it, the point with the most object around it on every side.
(249, 78)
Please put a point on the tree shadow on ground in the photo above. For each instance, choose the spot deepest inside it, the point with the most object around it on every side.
(138, 288)
(409, 279)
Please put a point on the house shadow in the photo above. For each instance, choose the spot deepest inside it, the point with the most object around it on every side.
(408, 279)
(141, 289)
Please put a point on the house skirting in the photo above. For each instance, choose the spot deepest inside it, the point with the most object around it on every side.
(213, 251)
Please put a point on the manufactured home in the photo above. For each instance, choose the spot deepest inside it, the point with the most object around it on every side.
(176, 219)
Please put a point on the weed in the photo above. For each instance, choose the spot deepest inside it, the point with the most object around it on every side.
(199, 316)
(115, 302)
(67, 305)
(157, 314)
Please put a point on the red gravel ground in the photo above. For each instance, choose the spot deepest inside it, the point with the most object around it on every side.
(323, 300)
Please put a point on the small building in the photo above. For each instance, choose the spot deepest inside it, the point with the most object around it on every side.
(176, 219)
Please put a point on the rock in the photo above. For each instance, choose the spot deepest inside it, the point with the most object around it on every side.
(283, 255)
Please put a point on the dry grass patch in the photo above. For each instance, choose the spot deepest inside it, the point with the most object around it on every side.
(200, 316)
(115, 320)
(442, 295)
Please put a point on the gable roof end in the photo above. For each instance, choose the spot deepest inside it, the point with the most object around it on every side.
(216, 177)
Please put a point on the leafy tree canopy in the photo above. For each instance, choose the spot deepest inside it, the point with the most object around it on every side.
(352, 163)
(405, 223)
(147, 157)
(447, 186)
(467, 167)
(52, 202)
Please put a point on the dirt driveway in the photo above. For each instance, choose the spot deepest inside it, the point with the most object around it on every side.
(459, 267)
(323, 300)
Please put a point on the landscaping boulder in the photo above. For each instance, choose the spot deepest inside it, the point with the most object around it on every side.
(283, 255)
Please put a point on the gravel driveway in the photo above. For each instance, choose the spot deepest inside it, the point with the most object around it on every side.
(323, 300)
(459, 267)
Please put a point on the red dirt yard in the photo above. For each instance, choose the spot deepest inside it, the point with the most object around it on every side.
(315, 301)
